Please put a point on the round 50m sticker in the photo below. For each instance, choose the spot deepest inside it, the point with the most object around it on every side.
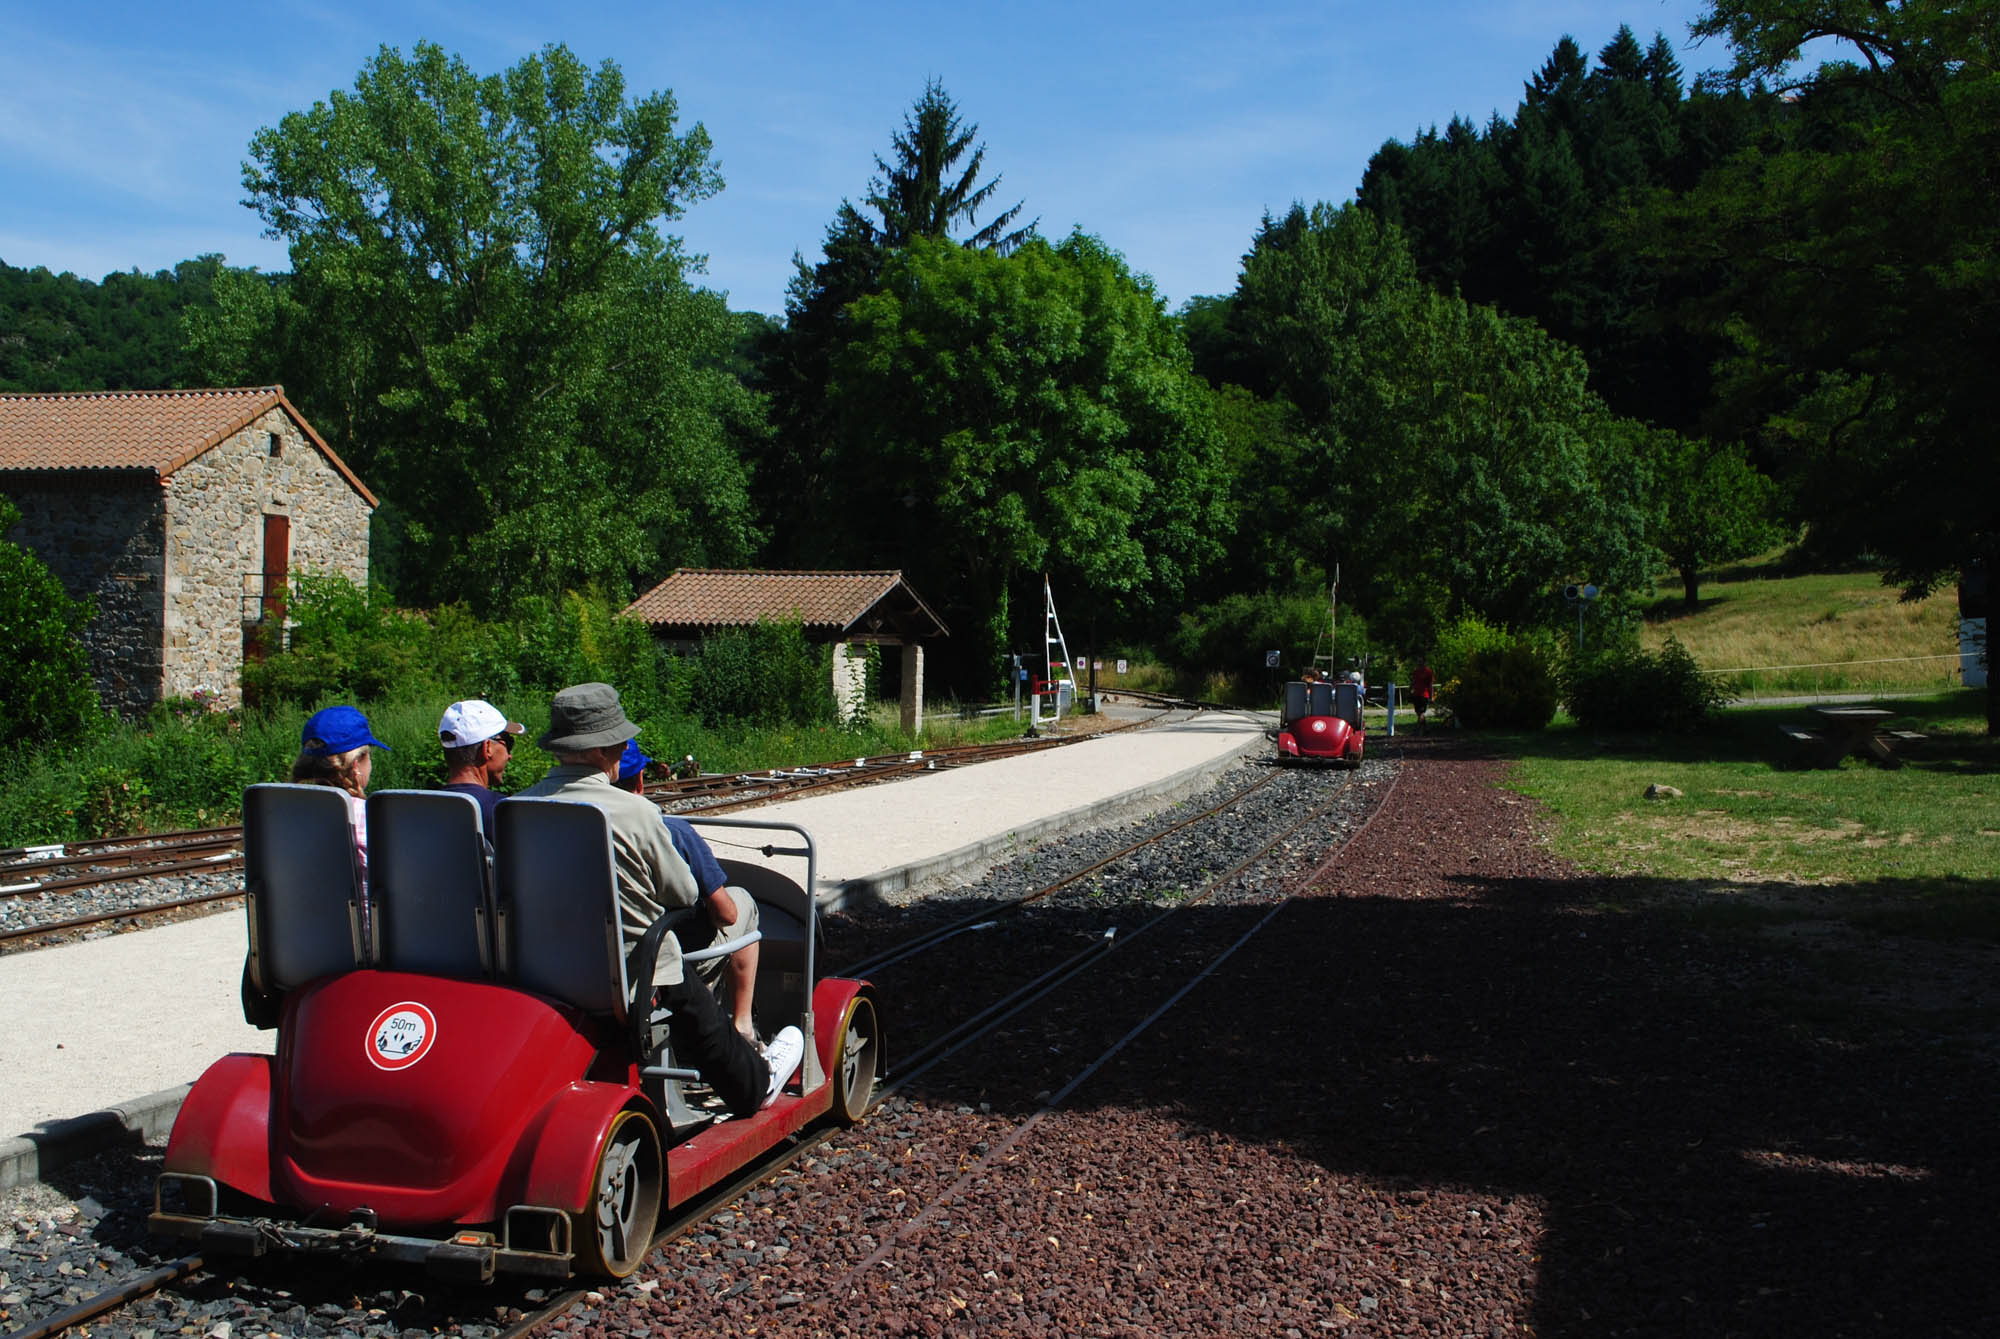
(401, 1035)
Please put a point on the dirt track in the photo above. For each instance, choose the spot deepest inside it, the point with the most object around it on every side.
(1439, 1093)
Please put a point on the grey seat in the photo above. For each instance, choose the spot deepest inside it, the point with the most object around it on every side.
(1347, 703)
(430, 884)
(789, 920)
(556, 897)
(302, 888)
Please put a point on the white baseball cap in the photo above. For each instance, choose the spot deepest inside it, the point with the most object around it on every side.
(474, 721)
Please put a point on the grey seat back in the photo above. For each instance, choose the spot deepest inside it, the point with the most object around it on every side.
(302, 886)
(430, 883)
(556, 894)
(1321, 703)
(1298, 696)
(1347, 703)
(786, 914)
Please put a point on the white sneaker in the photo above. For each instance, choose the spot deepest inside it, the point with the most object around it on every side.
(783, 1053)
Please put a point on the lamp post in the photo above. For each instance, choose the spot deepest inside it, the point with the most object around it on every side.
(1580, 596)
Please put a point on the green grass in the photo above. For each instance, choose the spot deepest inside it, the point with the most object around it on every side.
(1817, 633)
(171, 772)
(1915, 849)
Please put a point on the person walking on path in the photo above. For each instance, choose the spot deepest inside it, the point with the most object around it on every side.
(1423, 684)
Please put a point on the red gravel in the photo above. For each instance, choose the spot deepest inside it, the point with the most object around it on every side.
(1440, 1093)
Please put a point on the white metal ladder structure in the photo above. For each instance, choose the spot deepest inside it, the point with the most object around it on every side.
(1324, 662)
(1060, 686)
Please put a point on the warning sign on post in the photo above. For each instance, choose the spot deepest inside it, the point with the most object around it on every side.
(1270, 660)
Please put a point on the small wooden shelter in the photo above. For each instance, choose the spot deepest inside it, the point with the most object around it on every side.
(850, 610)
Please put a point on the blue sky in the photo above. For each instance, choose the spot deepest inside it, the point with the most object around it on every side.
(1165, 128)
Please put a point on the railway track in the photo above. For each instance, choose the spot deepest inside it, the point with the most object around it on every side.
(971, 1023)
(46, 874)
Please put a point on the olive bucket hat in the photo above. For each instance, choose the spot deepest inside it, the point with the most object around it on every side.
(586, 716)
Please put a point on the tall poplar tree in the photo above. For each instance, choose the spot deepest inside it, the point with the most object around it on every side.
(487, 320)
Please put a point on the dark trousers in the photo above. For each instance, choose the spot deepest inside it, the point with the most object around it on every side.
(706, 1039)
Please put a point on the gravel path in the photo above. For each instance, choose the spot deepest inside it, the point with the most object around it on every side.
(1441, 1091)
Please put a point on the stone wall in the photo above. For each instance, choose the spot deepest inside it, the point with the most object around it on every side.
(215, 541)
(100, 533)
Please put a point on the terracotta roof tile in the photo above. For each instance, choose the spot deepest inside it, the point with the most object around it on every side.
(137, 430)
(699, 597)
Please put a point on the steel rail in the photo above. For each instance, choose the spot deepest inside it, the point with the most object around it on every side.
(932, 938)
(92, 1307)
(997, 1151)
(124, 914)
(23, 878)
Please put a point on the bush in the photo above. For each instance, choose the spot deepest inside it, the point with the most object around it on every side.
(1458, 642)
(45, 689)
(343, 643)
(1504, 688)
(1628, 689)
(769, 675)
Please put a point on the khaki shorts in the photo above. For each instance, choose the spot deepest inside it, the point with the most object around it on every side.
(746, 922)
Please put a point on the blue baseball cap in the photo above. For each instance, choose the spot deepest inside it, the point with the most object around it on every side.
(332, 730)
(631, 762)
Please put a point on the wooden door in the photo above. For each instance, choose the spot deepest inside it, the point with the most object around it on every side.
(277, 565)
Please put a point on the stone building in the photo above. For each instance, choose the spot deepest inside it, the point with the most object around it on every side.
(180, 512)
(851, 610)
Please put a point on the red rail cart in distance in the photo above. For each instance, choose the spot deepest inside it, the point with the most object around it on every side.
(1321, 722)
(465, 1074)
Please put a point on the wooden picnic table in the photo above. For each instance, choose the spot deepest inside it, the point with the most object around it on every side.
(1845, 730)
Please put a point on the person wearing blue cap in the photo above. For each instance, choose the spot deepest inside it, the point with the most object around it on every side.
(334, 751)
(720, 899)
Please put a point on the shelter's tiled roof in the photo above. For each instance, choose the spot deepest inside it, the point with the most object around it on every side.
(702, 597)
(138, 430)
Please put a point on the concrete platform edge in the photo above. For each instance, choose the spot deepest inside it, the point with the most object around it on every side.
(58, 1144)
(992, 850)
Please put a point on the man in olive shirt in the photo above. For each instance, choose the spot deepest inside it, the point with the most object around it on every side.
(587, 733)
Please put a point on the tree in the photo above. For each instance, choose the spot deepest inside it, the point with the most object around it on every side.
(1000, 416)
(1522, 214)
(1454, 460)
(1712, 504)
(1859, 261)
(69, 334)
(485, 318)
(915, 197)
(46, 691)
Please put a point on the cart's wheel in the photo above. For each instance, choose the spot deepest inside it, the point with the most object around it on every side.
(616, 1232)
(858, 1061)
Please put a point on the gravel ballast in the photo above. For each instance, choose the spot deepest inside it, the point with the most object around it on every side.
(1440, 1091)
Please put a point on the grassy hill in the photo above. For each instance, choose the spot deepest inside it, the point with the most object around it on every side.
(1814, 633)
